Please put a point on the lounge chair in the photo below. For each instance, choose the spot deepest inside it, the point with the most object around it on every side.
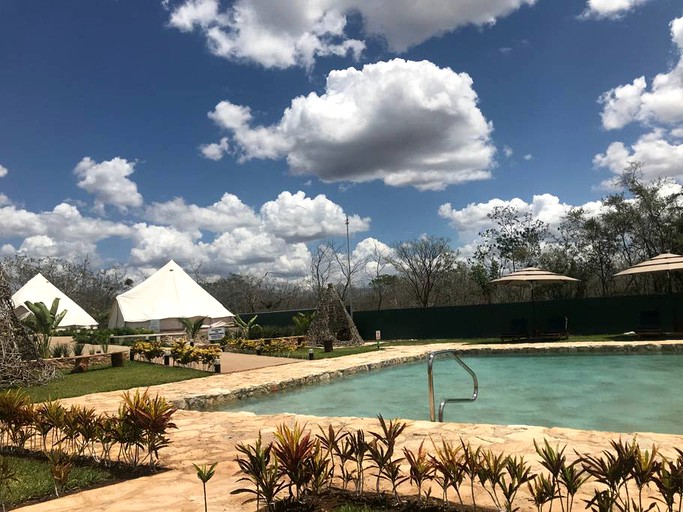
(650, 324)
(519, 330)
(556, 329)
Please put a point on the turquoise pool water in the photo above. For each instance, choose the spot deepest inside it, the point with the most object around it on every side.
(621, 393)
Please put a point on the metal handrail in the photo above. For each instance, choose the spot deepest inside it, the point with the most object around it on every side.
(430, 376)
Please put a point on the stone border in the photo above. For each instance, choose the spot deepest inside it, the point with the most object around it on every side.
(206, 402)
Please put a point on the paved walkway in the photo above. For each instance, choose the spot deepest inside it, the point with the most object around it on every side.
(207, 437)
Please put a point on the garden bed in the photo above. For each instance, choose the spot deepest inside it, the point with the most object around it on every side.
(34, 483)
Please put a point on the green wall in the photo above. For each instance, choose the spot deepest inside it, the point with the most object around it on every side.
(586, 316)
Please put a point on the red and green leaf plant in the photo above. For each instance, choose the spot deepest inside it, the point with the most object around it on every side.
(359, 448)
(490, 474)
(542, 490)
(295, 450)
(552, 459)
(518, 472)
(572, 477)
(329, 441)
(448, 470)
(204, 474)
(61, 465)
(669, 482)
(344, 450)
(644, 470)
(262, 471)
(421, 467)
(471, 461)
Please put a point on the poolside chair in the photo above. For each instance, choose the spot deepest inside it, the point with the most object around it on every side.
(519, 330)
(650, 324)
(556, 329)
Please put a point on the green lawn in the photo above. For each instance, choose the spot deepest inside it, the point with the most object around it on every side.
(133, 374)
(35, 483)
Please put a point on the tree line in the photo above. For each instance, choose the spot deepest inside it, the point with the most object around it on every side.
(640, 221)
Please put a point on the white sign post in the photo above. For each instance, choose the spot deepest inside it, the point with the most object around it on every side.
(216, 333)
(155, 325)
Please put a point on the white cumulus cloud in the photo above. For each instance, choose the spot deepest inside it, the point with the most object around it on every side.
(662, 102)
(216, 150)
(610, 8)
(108, 181)
(226, 214)
(661, 156)
(301, 218)
(281, 34)
(472, 219)
(406, 123)
(3, 171)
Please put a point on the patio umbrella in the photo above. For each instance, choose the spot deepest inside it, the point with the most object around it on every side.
(663, 263)
(529, 277)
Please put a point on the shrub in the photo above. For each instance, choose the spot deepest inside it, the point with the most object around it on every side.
(61, 350)
(142, 423)
(150, 350)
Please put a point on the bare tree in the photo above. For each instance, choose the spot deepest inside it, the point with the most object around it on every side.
(423, 263)
(323, 259)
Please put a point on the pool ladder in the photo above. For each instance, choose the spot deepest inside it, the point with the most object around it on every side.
(430, 376)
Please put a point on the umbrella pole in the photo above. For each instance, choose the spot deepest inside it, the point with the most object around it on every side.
(674, 313)
(533, 312)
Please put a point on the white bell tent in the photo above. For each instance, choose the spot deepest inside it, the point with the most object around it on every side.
(163, 297)
(39, 289)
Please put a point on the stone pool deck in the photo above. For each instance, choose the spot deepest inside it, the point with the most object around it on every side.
(207, 437)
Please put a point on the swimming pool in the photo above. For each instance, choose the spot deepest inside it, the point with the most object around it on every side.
(620, 393)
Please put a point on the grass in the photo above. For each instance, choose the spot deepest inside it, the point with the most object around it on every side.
(96, 380)
(35, 483)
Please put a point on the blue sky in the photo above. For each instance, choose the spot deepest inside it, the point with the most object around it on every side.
(236, 136)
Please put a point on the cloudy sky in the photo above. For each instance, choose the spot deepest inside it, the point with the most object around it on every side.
(235, 136)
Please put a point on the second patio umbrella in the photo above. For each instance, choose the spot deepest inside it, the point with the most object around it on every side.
(529, 277)
(666, 262)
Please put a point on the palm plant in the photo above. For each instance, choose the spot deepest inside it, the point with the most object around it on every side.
(44, 323)
(192, 327)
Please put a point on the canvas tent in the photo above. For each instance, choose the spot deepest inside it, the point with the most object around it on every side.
(165, 296)
(39, 289)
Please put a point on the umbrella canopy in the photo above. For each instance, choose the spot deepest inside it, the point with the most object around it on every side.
(666, 262)
(530, 275)
(662, 263)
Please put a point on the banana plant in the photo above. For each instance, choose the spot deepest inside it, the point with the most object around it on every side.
(247, 327)
(44, 323)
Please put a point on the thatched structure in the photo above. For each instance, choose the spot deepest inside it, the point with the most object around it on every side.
(20, 363)
(333, 322)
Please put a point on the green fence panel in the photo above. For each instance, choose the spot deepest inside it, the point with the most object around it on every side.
(610, 315)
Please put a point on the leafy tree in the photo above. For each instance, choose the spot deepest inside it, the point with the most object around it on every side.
(192, 327)
(423, 263)
(515, 241)
(44, 323)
